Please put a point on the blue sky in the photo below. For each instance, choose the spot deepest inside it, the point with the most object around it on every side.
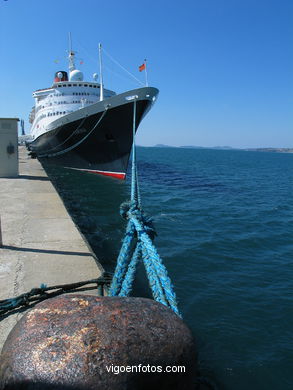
(224, 67)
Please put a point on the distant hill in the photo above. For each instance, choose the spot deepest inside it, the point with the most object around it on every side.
(164, 146)
(194, 147)
(224, 148)
(275, 150)
(207, 147)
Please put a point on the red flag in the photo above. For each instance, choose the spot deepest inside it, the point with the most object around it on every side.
(142, 67)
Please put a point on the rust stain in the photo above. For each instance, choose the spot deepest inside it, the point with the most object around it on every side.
(81, 302)
(56, 352)
(31, 316)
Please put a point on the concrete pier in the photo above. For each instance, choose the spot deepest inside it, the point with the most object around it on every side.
(41, 244)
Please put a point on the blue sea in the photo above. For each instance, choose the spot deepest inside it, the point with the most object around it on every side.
(224, 220)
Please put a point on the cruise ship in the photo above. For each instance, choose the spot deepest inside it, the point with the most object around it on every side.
(82, 125)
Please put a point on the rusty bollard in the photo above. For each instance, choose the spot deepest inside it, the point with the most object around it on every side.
(79, 342)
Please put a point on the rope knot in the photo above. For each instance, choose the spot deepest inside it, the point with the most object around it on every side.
(130, 209)
(148, 225)
(124, 209)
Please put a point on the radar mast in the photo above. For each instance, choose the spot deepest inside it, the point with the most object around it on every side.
(71, 56)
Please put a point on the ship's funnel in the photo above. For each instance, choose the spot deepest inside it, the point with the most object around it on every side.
(61, 75)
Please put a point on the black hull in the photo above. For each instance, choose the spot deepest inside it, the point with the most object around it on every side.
(97, 138)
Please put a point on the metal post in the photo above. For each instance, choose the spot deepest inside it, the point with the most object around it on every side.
(101, 73)
(146, 73)
(100, 290)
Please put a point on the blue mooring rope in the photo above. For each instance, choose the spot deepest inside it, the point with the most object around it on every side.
(138, 245)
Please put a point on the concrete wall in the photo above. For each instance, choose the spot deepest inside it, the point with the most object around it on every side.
(8, 147)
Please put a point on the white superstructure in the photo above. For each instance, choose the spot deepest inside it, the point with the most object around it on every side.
(64, 97)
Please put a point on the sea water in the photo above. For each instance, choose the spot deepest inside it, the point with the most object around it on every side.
(224, 222)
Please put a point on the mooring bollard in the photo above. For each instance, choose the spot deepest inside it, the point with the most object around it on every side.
(84, 342)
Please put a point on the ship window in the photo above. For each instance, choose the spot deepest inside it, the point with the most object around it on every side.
(74, 85)
(80, 85)
(59, 85)
(69, 85)
(85, 85)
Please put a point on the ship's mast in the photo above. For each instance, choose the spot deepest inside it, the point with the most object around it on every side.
(101, 74)
(146, 73)
(71, 56)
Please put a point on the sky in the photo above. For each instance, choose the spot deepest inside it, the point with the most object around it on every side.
(224, 68)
